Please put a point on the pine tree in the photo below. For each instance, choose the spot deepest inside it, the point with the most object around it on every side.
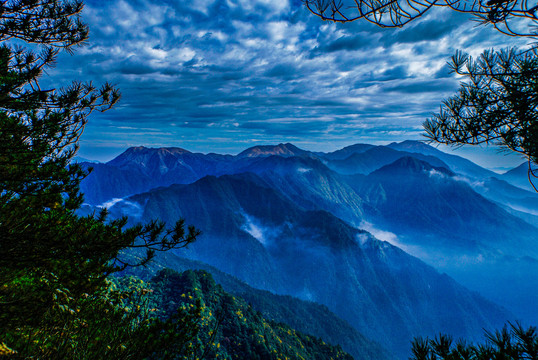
(513, 343)
(56, 299)
(498, 105)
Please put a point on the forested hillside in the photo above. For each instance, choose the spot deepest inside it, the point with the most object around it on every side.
(231, 328)
(305, 316)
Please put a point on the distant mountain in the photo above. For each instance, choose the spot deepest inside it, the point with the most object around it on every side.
(518, 176)
(140, 169)
(281, 247)
(288, 220)
(106, 183)
(414, 146)
(309, 183)
(487, 183)
(506, 194)
(530, 217)
(436, 209)
(456, 163)
(374, 158)
(169, 165)
(146, 156)
(79, 159)
(268, 150)
(242, 332)
(347, 151)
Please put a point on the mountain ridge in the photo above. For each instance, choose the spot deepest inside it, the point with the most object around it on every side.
(286, 149)
(316, 256)
(293, 225)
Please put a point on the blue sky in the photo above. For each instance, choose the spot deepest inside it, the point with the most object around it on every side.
(223, 75)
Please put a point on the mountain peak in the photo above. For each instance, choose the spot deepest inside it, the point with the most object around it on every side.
(142, 150)
(172, 150)
(518, 170)
(141, 154)
(268, 150)
(348, 151)
(414, 146)
(411, 165)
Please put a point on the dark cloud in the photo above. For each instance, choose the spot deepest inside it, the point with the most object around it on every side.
(347, 43)
(424, 31)
(423, 86)
(283, 71)
(444, 72)
(397, 72)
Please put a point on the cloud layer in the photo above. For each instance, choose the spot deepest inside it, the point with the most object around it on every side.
(221, 75)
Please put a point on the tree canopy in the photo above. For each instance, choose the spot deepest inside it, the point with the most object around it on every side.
(513, 17)
(510, 343)
(498, 104)
(56, 300)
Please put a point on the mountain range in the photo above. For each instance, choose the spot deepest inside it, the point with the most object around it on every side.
(304, 224)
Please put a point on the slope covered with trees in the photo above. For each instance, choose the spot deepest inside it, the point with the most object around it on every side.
(232, 329)
(305, 316)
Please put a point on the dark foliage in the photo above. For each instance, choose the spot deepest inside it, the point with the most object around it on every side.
(506, 16)
(514, 343)
(55, 299)
(498, 105)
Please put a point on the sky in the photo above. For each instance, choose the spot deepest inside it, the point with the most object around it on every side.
(224, 75)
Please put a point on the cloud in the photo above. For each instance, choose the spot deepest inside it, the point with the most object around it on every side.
(524, 209)
(123, 207)
(110, 203)
(241, 69)
(346, 43)
(436, 174)
(393, 73)
(363, 239)
(254, 228)
(380, 234)
(429, 30)
(283, 71)
(471, 182)
(423, 86)
(303, 170)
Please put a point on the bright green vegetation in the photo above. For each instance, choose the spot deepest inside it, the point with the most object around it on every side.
(231, 328)
(304, 316)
